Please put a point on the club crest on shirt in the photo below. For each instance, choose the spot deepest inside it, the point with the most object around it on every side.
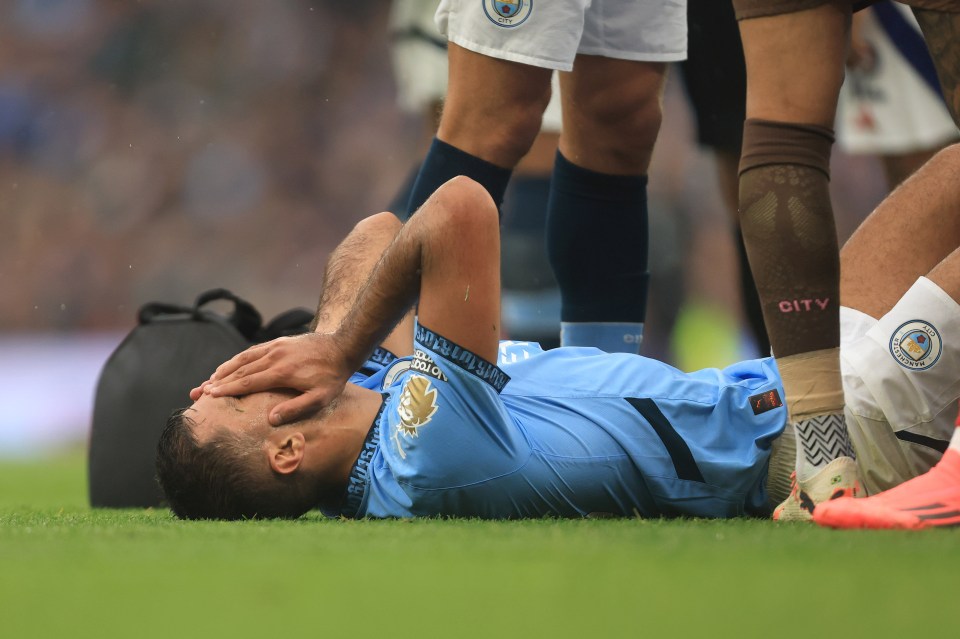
(916, 345)
(418, 404)
(508, 13)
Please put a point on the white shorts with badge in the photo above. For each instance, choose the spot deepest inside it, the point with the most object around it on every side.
(550, 33)
(419, 53)
(901, 381)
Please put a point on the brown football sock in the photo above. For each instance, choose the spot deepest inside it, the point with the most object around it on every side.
(789, 232)
(791, 241)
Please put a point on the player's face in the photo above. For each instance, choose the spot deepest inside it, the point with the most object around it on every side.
(247, 413)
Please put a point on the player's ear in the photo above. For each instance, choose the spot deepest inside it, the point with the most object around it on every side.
(286, 452)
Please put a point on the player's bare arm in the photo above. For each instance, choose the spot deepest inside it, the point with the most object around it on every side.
(447, 256)
(350, 266)
(460, 281)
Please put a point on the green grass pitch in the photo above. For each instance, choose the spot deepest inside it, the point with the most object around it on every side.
(68, 571)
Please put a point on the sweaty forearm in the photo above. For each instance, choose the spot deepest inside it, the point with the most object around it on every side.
(349, 266)
(446, 260)
(388, 294)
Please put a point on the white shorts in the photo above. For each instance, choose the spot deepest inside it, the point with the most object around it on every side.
(419, 53)
(890, 109)
(901, 382)
(550, 33)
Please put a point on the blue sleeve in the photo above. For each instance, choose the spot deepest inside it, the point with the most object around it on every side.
(447, 426)
(370, 373)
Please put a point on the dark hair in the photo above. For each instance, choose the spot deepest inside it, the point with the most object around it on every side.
(226, 478)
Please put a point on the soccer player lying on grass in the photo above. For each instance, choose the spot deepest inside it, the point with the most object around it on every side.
(565, 432)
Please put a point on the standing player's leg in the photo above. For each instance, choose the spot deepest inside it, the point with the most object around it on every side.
(597, 216)
(922, 209)
(531, 308)
(490, 118)
(530, 296)
(900, 411)
(794, 71)
(596, 223)
(876, 264)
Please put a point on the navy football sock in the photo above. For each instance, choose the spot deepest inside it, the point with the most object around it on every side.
(525, 204)
(530, 306)
(597, 244)
(523, 245)
(445, 162)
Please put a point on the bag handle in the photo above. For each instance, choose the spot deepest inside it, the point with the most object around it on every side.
(244, 317)
(292, 322)
(149, 311)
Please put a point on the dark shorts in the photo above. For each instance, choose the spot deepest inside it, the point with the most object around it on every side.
(714, 75)
(759, 8)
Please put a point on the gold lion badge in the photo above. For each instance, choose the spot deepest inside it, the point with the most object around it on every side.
(418, 403)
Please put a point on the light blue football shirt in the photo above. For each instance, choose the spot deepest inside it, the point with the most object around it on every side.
(564, 433)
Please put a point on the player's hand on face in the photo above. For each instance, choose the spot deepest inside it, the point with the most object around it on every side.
(198, 391)
(312, 363)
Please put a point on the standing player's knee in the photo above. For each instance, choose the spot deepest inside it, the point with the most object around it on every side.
(500, 129)
(625, 126)
(520, 128)
(514, 135)
(643, 123)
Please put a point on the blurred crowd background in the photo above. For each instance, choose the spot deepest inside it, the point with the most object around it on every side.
(152, 149)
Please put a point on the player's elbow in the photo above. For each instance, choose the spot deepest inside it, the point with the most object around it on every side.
(466, 202)
(382, 223)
